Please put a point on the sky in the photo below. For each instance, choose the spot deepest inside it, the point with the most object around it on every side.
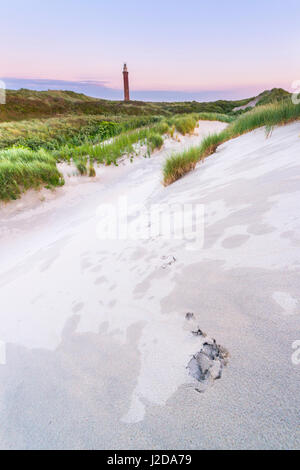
(175, 50)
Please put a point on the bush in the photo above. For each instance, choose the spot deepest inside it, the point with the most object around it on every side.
(108, 129)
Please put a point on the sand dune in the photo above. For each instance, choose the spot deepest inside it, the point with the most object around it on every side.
(99, 335)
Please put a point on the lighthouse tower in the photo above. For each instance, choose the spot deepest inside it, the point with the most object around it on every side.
(126, 83)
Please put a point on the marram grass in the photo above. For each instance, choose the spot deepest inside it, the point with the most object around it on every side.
(73, 130)
(22, 169)
(185, 124)
(154, 141)
(110, 151)
(268, 115)
(215, 117)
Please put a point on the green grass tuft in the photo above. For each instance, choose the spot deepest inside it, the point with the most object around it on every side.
(21, 169)
(155, 141)
(215, 117)
(123, 144)
(81, 166)
(92, 171)
(185, 124)
(269, 115)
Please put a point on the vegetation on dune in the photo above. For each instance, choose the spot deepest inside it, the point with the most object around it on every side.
(92, 171)
(215, 117)
(63, 125)
(185, 124)
(272, 96)
(27, 104)
(53, 133)
(162, 127)
(123, 144)
(220, 107)
(179, 164)
(63, 118)
(154, 141)
(21, 169)
(268, 115)
(81, 166)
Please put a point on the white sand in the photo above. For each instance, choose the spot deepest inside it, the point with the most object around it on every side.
(97, 342)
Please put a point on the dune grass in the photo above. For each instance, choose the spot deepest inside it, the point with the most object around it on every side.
(21, 169)
(91, 170)
(109, 152)
(185, 124)
(81, 165)
(29, 104)
(155, 141)
(215, 117)
(268, 115)
(53, 133)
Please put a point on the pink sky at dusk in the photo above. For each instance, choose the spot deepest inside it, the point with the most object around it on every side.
(193, 46)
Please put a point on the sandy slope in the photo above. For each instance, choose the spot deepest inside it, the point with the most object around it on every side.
(251, 104)
(97, 340)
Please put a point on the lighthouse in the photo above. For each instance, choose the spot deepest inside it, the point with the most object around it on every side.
(126, 83)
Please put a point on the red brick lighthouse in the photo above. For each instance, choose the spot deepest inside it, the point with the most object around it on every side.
(126, 83)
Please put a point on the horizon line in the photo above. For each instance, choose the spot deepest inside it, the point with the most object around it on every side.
(99, 89)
